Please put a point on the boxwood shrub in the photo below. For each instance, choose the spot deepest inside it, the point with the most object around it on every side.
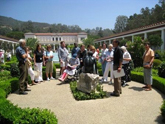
(12, 114)
(78, 95)
(57, 65)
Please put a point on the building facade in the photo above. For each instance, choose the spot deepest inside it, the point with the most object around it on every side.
(55, 38)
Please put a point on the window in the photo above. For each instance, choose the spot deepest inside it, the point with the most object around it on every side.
(60, 39)
(56, 38)
(53, 38)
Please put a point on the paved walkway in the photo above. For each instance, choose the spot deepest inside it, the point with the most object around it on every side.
(134, 106)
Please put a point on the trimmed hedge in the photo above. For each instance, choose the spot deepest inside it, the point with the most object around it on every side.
(11, 114)
(158, 82)
(78, 95)
(57, 65)
(162, 108)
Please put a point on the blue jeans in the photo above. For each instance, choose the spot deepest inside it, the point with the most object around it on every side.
(103, 66)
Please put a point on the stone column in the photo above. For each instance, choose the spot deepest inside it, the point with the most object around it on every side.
(145, 36)
(163, 39)
(12, 48)
(123, 38)
(132, 38)
(54, 47)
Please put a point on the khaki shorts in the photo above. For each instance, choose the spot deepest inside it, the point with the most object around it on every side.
(49, 67)
(63, 64)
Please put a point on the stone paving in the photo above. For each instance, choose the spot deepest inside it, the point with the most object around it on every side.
(134, 106)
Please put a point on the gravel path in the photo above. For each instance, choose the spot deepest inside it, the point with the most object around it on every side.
(134, 106)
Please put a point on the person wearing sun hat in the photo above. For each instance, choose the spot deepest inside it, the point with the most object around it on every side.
(71, 67)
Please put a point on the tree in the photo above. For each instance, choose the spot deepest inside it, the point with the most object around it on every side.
(155, 40)
(32, 43)
(90, 40)
(136, 50)
(16, 35)
(100, 33)
(121, 22)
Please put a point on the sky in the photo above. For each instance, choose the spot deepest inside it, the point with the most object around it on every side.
(84, 13)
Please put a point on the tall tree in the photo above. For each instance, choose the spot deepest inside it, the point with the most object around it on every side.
(121, 22)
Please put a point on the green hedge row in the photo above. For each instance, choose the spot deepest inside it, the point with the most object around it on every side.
(158, 83)
(11, 114)
(78, 95)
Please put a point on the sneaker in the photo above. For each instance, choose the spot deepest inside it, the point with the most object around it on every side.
(48, 79)
(27, 89)
(105, 80)
(22, 93)
(52, 78)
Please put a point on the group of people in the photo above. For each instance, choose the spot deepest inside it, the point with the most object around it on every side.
(2, 56)
(113, 58)
(40, 58)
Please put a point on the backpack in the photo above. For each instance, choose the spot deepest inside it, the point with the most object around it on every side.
(89, 62)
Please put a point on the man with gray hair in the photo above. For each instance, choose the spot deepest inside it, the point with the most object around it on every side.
(23, 67)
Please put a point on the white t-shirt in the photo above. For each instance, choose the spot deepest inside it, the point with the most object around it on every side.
(126, 55)
(95, 54)
(47, 53)
(103, 54)
(109, 54)
(8, 54)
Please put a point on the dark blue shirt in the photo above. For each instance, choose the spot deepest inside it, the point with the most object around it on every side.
(75, 50)
(19, 52)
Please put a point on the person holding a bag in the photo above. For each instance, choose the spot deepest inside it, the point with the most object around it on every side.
(148, 58)
(49, 63)
(38, 62)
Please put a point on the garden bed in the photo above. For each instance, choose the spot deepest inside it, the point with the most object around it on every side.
(78, 95)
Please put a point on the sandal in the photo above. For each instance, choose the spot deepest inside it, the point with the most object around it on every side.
(148, 89)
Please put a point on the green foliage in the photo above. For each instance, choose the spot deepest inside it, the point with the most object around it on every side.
(10, 113)
(162, 109)
(146, 17)
(155, 40)
(161, 54)
(136, 49)
(5, 75)
(141, 69)
(5, 67)
(158, 82)
(16, 35)
(14, 70)
(156, 63)
(90, 40)
(123, 42)
(78, 95)
(57, 65)
(32, 43)
(161, 70)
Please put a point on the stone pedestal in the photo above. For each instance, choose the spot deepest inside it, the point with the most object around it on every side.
(87, 82)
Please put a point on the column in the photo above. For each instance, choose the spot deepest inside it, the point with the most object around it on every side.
(123, 38)
(12, 48)
(132, 38)
(54, 47)
(145, 36)
(163, 39)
